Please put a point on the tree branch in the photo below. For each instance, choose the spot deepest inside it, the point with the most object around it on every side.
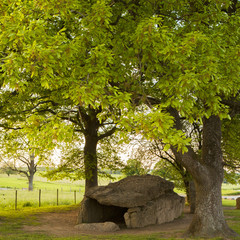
(107, 134)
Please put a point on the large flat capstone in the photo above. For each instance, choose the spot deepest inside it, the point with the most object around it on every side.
(131, 192)
(136, 201)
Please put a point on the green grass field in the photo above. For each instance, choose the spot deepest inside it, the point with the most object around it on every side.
(20, 182)
(66, 189)
(66, 192)
(229, 189)
(31, 199)
(12, 221)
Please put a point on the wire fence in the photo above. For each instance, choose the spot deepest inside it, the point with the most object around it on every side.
(20, 198)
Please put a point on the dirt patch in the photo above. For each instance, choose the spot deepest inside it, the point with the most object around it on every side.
(62, 224)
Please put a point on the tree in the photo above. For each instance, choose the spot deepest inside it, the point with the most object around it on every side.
(65, 70)
(26, 166)
(230, 145)
(85, 121)
(180, 57)
(167, 166)
(134, 167)
(192, 79)
(181, 68)
(18, 154)
(6, 169)
(71, 158)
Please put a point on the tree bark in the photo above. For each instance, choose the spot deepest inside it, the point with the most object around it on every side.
(190, 193)
(32, 170)
(30, 182)
(209, 219)
(90, 161)
(90, 126)
(207, 173)
(187, 180)
(192, 196)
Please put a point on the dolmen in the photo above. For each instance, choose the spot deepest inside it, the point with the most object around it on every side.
(135, 201)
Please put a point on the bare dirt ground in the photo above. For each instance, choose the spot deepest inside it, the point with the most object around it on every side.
(62, 225)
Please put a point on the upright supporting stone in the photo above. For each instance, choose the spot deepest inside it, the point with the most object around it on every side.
(238, 203)
(164, 209)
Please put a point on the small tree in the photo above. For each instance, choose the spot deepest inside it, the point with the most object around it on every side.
(18, 154)
(134, 167)
(6, 169)
(23, 165)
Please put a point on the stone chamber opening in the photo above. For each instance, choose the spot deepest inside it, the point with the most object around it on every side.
(115, 214)
(105, 213)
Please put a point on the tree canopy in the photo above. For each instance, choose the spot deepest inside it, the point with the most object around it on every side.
(136, 65)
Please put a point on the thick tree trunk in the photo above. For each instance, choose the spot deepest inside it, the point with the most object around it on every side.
(90, 128)
(209, 219)
(207, 174)
(90, 161)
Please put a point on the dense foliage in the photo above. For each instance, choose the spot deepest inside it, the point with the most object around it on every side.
(95, 67)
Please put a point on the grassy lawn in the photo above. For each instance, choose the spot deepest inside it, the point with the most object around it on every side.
(11, 223)
(66, 192)
(66, 189)
(20, 182)
(229, 189)
(31, 199)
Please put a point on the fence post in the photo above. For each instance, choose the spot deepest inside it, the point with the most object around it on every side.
(39, 199)
(57, 197)
(15, 199)
(75, 196)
